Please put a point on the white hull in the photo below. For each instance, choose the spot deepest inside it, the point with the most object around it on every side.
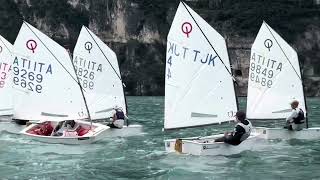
(207, 146)
(285, 134)
(131, 130)
(97, 132)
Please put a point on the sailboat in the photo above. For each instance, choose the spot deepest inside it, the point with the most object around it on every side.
(199, 88)
(99, 74)
(47, 90)
(6, 93)
(6, 104)
(274, 81)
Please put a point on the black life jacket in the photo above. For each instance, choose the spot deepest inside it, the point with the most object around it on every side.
(299, 119)
(119, 114)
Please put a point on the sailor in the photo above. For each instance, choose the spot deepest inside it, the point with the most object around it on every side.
(58, 130)
(296, 119)
(70, 129)
(65, 128)
(241, 131)
(118, 118)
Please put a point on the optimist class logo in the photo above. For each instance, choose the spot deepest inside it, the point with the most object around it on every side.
(186, 28)
(31, 45)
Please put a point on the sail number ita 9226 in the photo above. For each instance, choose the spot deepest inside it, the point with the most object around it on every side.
(261, 75)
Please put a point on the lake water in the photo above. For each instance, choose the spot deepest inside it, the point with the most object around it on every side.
(143, 157)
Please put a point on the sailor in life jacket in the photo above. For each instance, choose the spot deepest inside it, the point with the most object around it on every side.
(241, 131)
(118, 118)
(296, 119)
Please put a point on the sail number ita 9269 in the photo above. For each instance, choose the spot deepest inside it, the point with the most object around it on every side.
(29, 74)
(27, 80)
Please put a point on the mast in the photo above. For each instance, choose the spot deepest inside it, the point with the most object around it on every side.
(234, 83)
(125, 101)
(304, 97)
(82, 93)
(113, 68)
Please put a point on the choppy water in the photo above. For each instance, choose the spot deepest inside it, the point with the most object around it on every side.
(143, 157)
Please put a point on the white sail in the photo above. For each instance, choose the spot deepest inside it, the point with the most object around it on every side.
(274, 77)
(44, 79)
(198, 86)
(99, 74)
(6, 104)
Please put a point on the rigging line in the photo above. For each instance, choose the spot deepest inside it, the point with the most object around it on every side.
(234, 88)
(51, 53)
(208, 40)
(125, 99)
(83, 96)
(104, 54)
(305, 101)
(6, 45)
(283, 51)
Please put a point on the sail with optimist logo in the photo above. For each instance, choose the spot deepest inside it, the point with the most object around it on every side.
(6, 59)
(98, 72)
(199, 87)
(44, 79)
(274, 77)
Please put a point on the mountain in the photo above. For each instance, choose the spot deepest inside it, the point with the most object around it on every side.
(136, 30)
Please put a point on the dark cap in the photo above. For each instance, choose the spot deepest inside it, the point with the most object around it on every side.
(295, 103)
(241, 115)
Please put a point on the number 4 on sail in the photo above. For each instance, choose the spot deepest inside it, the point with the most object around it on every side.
(199, 89)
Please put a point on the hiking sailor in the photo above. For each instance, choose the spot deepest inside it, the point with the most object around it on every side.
(118, 118)
(296, 119)
(241, 131)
